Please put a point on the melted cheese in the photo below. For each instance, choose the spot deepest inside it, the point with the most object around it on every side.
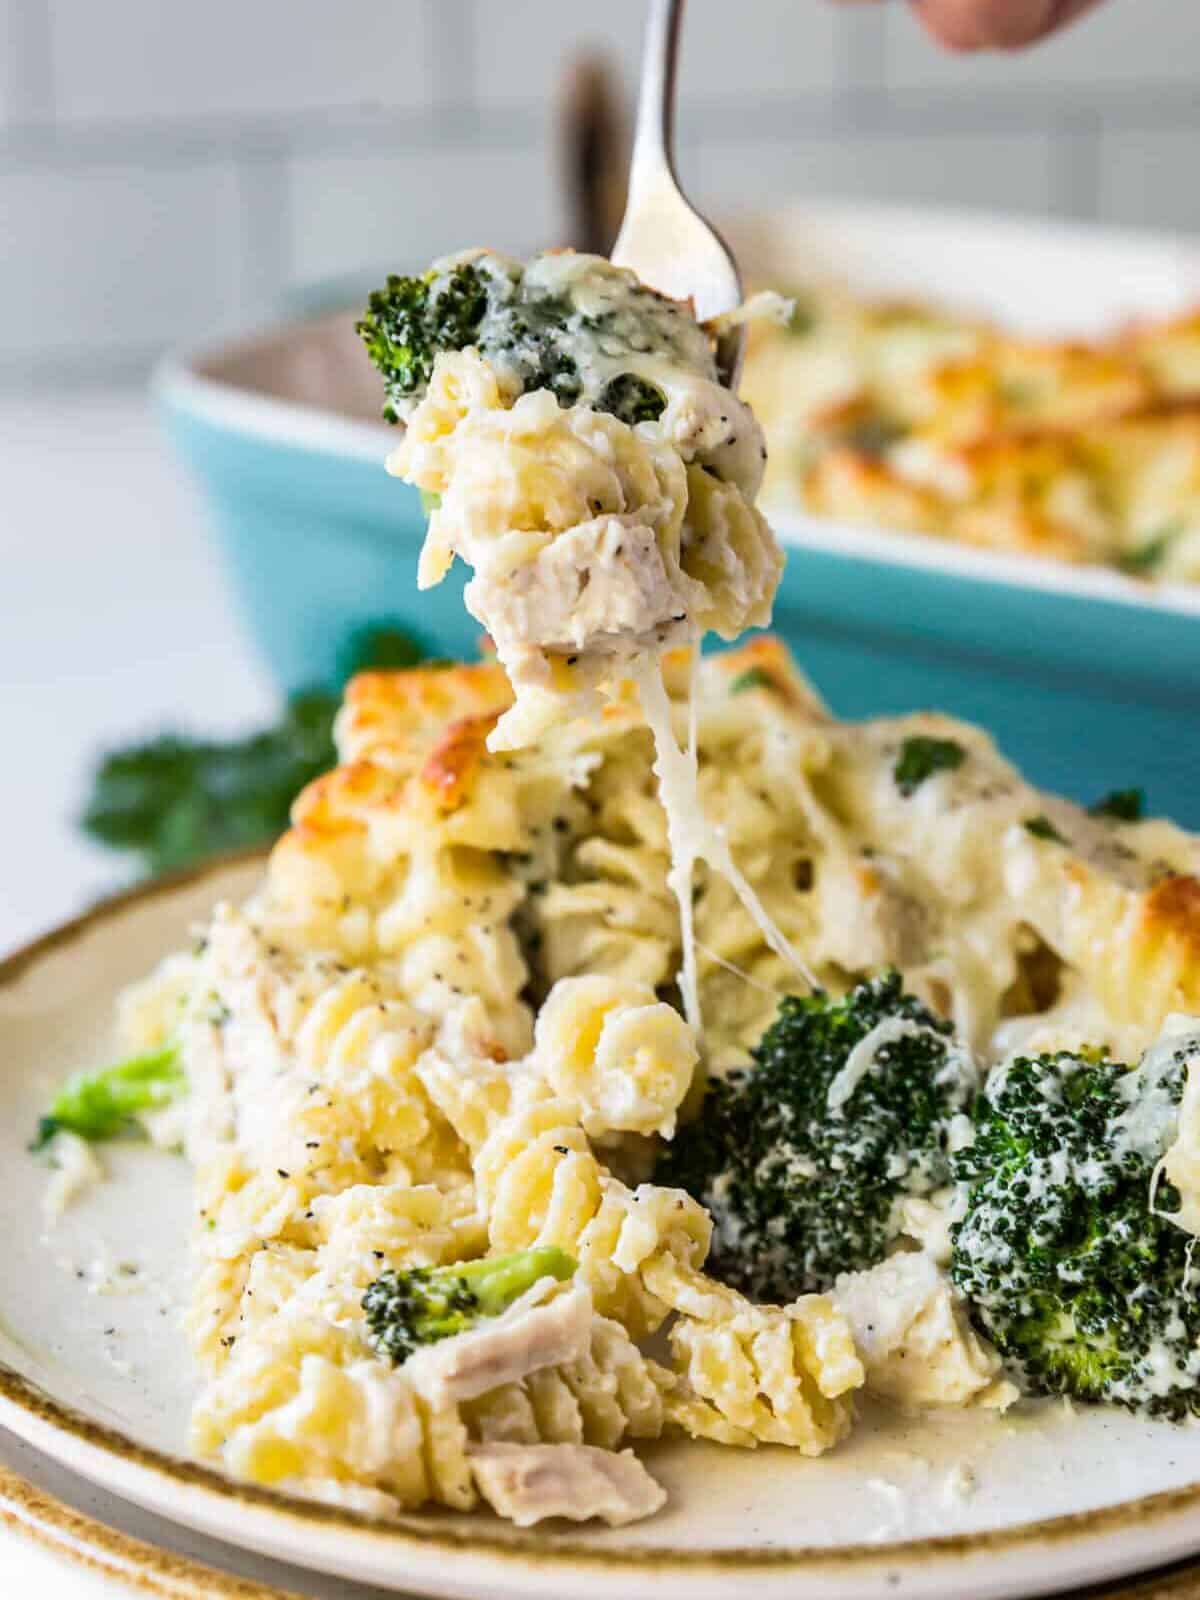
(594, 541)
(865, 1055)
(596, 545)
(692, 837)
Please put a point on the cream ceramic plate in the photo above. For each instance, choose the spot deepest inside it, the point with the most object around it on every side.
(957, 1506)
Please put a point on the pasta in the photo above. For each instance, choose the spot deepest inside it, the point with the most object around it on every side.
(597, 538)
(901, 416)
(460, 1019)
(625, 1056)
(438, 1030)
(594, 538)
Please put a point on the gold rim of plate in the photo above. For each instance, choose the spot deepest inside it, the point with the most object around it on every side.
(96, 1544)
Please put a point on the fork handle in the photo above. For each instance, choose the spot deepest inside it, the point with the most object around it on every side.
(654, 135)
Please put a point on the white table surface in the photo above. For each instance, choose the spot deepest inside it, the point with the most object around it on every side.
(114, 621)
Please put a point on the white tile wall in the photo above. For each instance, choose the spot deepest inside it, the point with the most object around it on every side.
(24, 62)
(933, 168)
(761, 47)
(398, 210)
(203, 158)
(10, 61)
(113, 260)
(517, 45)
(1148, 179)
(129, 59)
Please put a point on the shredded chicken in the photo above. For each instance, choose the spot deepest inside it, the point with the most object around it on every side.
(914, 1339)
(528, 1483)
(541, 1329)
(603, 582)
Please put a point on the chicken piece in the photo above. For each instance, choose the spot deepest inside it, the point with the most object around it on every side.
(543, 1328)
(528, 1483)
(914, 1339)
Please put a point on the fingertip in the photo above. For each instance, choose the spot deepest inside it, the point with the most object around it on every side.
(952, 26)
(970, 25)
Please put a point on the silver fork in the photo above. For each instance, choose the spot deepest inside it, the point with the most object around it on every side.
(663, 238)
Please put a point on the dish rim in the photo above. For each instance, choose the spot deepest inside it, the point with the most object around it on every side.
(97, 1546)
(179, 385)
(45, 1422)
(184, 382)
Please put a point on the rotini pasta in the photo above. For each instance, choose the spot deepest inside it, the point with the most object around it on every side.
(361, 1095)
(500, 952)
(594, 537)
(639, 1250)
(765, 1374)
(627, 1058)
(539, 1183)
(446, 1026)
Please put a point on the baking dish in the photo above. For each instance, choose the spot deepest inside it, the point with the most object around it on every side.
(1090, 680)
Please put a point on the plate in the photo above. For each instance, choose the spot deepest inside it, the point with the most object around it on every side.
(116, 1549)
(133, 1551)
(94, 1372)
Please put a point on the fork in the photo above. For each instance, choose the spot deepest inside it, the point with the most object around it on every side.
(663, 238)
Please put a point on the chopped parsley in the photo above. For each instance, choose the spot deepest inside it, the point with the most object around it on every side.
(752, 678)
(1121, 805)
(1147, 558)
(1042, 828)
(874, 436)
(921, 756)
(803, 319)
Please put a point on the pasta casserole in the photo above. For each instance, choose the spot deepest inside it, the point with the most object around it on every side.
(618, 1046)
(446, 1026)
(902, 416)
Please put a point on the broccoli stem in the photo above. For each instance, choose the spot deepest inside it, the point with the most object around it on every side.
(99, 1104)
(496, 1281)
(409, 1307)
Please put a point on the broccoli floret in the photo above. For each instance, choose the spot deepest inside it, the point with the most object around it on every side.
(101, 1105)
(801, 1158)
(1066, 1249)
(410, 320)
(419, 1305)
(632, 400)
(535, 332)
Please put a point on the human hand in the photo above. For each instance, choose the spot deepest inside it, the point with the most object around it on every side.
(996, 24)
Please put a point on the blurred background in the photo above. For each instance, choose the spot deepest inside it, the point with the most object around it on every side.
(168, 169)
(168, 172)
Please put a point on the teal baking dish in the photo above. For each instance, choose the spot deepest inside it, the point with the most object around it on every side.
(1087, 679)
